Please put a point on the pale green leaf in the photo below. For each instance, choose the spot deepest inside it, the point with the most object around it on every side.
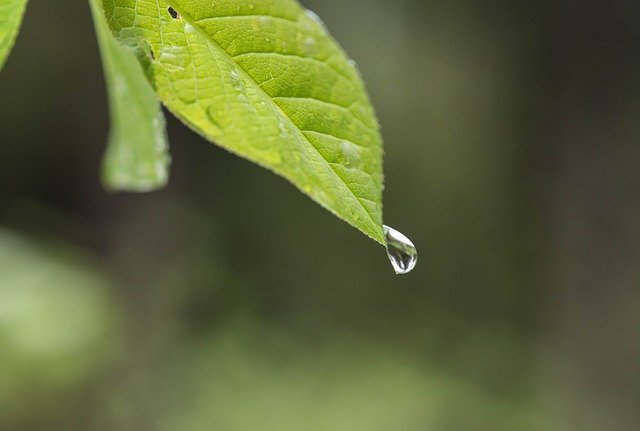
(137, 156)
(265, 80)
(11, 12)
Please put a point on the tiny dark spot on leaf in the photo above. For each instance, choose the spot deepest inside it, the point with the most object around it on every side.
(173, 13)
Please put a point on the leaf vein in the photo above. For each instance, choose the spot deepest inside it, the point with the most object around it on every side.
(316, 100)
(290, 54)
(223, 17)
(211, 41)
(335, 137)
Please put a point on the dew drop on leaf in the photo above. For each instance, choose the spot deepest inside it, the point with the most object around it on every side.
(314, 16)
(218, 120)
(310, 46)
(283, 130)
(401, 251)
(350, 155)
(236, 81)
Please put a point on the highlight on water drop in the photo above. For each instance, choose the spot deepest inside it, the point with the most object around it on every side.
(401, 251)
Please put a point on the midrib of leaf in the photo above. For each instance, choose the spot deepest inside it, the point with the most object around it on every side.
(290, 55)
(210, 41)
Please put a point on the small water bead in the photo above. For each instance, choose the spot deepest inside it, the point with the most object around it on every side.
(350, 155)
(401, 251)
(310, 46)
(362, 111)
(236, 81)
(219, 119)
(314, 16)
(284, 133)
(188, 28)
(187, 96)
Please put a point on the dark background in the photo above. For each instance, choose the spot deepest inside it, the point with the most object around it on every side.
(230, 301)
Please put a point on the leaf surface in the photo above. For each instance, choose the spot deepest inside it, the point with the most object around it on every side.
(11, 13)
(265, 80)
(137, 156)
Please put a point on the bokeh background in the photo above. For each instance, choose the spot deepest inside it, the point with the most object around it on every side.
(230, 301)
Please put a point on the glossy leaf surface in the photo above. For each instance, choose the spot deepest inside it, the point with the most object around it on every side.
(265, 80)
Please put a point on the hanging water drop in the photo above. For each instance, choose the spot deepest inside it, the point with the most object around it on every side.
(401, 251)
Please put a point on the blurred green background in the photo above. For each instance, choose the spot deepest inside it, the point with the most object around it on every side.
(230, 301)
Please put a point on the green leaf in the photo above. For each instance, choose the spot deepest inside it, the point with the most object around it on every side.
(266, 81)
(11, 12)
(137, 156)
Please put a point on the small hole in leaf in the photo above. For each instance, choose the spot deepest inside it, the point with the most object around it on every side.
(173, 13)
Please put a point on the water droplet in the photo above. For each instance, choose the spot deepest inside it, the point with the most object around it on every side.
(218, 119)
(350, 155)
(284, 133)
(362, 111)
(236, 81)
(215, 126)
(310, 46)
(314, 16)
(187, 97)
(401, 251)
